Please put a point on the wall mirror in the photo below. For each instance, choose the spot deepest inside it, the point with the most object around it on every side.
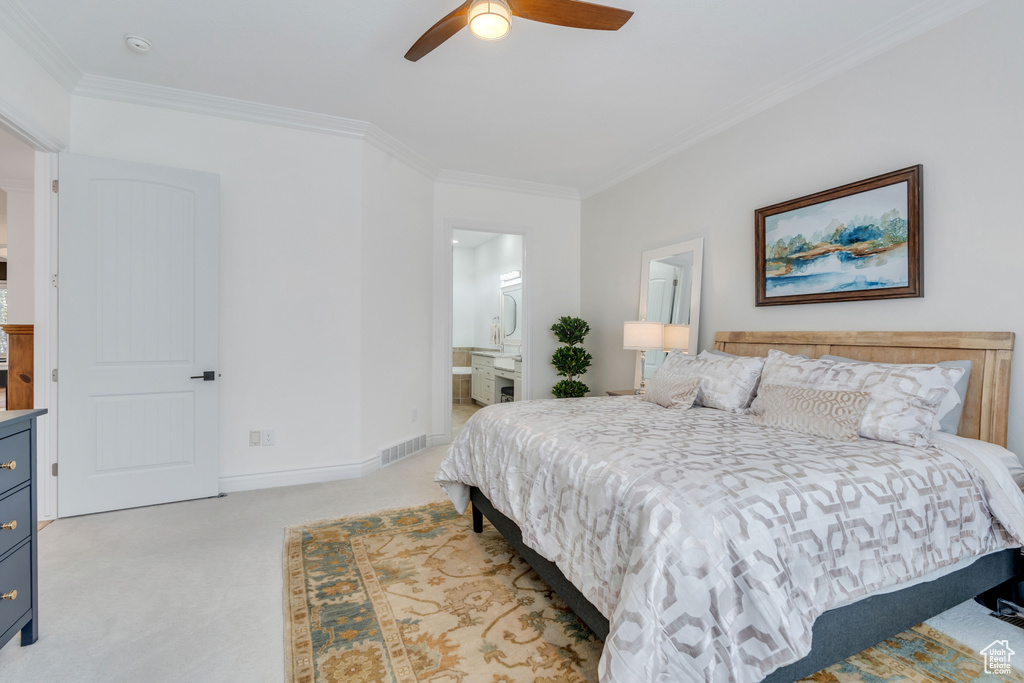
(511, 314)
(670, 293)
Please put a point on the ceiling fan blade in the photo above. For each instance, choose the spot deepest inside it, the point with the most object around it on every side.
(439, 32)
(572, 13)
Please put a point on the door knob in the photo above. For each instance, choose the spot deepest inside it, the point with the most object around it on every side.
(207, 376)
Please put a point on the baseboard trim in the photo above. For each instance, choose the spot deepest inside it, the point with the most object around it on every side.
(437, 440)
(310, 475)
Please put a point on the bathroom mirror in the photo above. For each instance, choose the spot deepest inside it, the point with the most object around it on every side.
(670, 293)
(511, 312)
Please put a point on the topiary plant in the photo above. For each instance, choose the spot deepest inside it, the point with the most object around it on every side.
(570, 361)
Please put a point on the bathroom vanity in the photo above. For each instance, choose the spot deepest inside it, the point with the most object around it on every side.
(493, 371)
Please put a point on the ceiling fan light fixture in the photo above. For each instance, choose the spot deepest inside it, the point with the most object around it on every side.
(490, 19)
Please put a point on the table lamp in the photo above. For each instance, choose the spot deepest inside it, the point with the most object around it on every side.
(642, 336)
(677, 337)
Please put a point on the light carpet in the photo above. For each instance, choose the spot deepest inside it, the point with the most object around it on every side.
(414, 595)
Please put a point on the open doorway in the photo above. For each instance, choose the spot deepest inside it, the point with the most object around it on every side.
(488, 322)
(17, 261)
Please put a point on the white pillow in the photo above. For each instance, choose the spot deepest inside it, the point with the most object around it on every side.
(904, 398)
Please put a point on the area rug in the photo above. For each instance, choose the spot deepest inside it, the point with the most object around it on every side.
(414, 595)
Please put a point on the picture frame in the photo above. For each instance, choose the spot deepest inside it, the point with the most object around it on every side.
(856, 242)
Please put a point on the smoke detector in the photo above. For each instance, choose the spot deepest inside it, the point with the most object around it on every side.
(137, 43)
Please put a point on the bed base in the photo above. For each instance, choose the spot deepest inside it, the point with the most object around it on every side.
(838, 633)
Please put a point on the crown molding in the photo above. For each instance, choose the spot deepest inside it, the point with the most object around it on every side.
(394, 147)
(898, 30)
(26, 32)
(135, 92)
(28, 131)
(16, 185)
(507, 184)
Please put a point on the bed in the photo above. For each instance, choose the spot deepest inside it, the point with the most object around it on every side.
(859, 614)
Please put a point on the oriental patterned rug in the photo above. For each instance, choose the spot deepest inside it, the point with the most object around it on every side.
(413, 595)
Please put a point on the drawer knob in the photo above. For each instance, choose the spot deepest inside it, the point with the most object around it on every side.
(11, 525)
(12, 595)
(8, 465)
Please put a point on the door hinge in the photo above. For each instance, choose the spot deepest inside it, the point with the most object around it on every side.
(55, 185)
(53, 469)
(53, 375)
(54, 280)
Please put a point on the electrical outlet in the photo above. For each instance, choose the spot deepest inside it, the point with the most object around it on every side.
(254, 437)
(268, 437)
(415, 414)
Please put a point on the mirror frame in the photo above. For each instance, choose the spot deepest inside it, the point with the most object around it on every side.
(506, 291)
(697, 247)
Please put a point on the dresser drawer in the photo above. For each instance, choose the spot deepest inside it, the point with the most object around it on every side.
(16, 575)
(14, 449)
(15, 508)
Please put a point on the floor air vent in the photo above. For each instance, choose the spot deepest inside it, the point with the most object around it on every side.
(1009, 612)
(399, 451)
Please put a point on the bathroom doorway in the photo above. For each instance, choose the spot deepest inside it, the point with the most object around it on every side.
(488, 322)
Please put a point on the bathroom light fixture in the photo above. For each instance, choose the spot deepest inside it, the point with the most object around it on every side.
(137, 43)
(642, 336)
(511, 275)
(455, 241)
(489, 19)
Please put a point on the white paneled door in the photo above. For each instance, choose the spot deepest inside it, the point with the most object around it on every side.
(138, 313)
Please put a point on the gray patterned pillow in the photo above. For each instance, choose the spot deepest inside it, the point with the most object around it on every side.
(947, 419)
(670, 389)
(677, 361)
(833, 415)
(904, 398)
(727, 382)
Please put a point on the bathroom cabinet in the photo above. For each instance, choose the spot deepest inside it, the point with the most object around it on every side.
(488, 379)
(483, 379)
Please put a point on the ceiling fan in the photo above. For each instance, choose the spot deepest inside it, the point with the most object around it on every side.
(491, 19)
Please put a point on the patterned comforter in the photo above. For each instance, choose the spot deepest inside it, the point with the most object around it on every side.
(712, 544)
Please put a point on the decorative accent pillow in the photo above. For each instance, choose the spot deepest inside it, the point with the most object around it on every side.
(672, 390)
(947, 419)
(832, 415)
(904, 398)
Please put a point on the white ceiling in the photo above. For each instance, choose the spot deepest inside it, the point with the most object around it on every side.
(553, 105)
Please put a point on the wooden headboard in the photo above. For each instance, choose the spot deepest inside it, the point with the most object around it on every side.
(986, 408)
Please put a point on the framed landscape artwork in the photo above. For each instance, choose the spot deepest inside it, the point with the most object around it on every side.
(855, 242)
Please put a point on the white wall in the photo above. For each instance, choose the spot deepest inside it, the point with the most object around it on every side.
(463, 297)
(551, 274)
(291, 273)
(952, 100)
(20, 258)
(397, 310)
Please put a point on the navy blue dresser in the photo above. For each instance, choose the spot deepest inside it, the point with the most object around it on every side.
(19, 610)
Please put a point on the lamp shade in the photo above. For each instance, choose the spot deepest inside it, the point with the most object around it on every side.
(489, 19)
(642, 335)
(677, 337)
